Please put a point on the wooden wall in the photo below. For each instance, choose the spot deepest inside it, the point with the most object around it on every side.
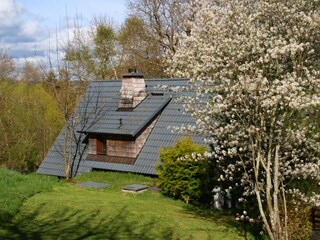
(123, 148)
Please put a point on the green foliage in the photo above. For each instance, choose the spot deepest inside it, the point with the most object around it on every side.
(139, 49)
(81, 61)
(181, 178)
(29, 123)
(92, 57)
(307, 186)
(15, 188)
(104, 38)
(104, 49)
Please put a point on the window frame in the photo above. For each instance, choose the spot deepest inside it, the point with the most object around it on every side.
(101, 146)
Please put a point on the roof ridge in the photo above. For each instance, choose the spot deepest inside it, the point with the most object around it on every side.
(112, 80)
(146, 79)
(167, 79)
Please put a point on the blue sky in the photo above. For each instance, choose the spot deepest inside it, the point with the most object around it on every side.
(28, 26)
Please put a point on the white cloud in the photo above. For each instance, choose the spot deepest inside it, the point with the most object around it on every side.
(19, 32)
(9, 13)
(39, 51)
(30, 28)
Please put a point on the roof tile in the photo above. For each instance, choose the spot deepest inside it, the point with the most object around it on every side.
(101, 99)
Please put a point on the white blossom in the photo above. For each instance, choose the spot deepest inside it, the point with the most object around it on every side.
(255, 71)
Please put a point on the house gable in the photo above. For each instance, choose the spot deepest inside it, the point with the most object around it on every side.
(152, 126)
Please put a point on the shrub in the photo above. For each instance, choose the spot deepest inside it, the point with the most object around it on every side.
(299, 226)
(180, 175)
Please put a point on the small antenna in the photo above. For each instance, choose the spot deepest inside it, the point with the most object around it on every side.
(120, 123)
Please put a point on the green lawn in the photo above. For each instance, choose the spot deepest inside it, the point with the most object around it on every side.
(15, 188)
(70, 212)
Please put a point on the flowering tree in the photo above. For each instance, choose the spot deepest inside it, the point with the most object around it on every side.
(254, 66)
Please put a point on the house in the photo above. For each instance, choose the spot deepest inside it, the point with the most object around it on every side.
(119, 126)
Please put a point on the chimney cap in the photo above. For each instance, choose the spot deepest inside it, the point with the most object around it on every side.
(133, 75)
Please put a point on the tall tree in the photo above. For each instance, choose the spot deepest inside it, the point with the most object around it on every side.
(104, 39)
(254, 66)
(91, 53)
(31, 72)
(138, 50)
(29, 122)
(165, 22)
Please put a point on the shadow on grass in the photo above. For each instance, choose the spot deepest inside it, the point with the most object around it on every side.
(5, 216)
(225, 218)
(73, 224)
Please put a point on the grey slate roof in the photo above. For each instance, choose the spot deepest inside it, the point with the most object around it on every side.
(100, 105)
(130, 122)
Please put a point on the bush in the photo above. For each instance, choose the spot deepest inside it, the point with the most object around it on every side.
(299, 226)
(29, 125)
(180, 175)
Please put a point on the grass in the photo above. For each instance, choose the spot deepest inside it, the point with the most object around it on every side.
(15, 188)
(71, 212)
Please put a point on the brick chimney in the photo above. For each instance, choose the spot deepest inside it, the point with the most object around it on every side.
(133, 90)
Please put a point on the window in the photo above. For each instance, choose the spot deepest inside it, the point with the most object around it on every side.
(101, 146)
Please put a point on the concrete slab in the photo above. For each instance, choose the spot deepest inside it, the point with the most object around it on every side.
(92, 185)
(135, 188)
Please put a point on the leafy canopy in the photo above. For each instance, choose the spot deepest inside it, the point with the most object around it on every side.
(254, 66)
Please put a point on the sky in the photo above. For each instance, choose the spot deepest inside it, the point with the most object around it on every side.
(28, 27)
